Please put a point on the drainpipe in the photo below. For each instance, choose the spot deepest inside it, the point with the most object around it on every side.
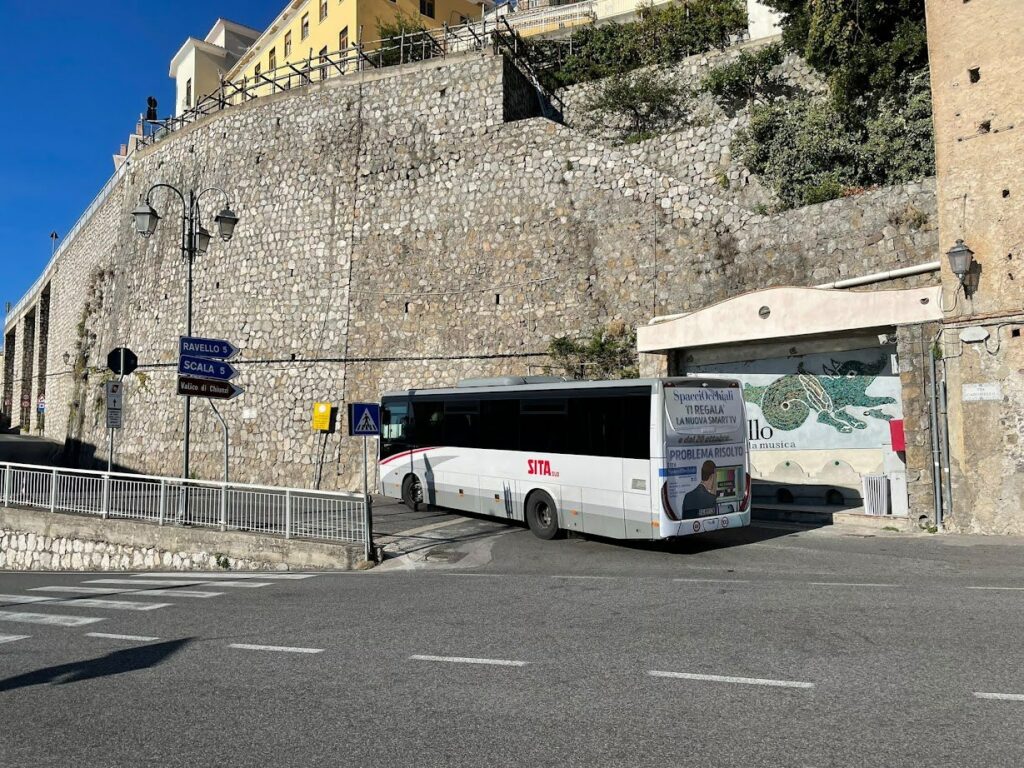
(944, 445)
(879, 277)
(933, 407)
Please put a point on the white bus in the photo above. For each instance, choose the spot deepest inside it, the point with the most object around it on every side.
(632, 459)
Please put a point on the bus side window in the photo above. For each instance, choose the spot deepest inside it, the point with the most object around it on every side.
(394, 430)
(428, 423)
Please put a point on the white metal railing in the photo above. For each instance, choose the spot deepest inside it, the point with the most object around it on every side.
(289, 512)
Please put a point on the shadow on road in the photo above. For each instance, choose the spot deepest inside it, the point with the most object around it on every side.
(115, 663)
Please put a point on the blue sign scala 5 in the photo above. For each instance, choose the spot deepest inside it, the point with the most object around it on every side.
(190, 365)
(215, 349)
(364, 419)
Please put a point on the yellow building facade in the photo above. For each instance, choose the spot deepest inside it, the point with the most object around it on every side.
(309, 29)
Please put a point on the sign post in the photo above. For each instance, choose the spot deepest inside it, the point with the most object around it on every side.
(203, 371)
(364, 421)
(123, 362)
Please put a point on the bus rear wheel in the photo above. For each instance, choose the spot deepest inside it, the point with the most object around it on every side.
(542, 516)
(412, 492)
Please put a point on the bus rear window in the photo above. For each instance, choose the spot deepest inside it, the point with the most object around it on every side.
(704, 414)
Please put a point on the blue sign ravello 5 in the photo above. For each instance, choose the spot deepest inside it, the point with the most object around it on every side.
(202, 367)
(217, 349)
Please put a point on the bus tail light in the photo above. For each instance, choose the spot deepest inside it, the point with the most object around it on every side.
(746, 497)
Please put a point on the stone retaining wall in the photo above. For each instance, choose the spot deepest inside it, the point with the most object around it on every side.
(31, 540)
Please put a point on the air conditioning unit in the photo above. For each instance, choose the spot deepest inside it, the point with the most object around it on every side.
(876, 494)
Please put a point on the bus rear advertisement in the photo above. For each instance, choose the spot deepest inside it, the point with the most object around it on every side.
(636, 458)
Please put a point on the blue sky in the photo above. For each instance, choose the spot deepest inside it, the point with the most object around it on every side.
(76, 79)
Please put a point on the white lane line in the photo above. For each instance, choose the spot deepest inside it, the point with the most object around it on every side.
(281, 648)
(13, 638)
(470, 660)
(481, 575)
(114, 605)
(140, 638)
(115, 591)
(175, 592)
(25, 599)
(1011, 589)
(558, 576)
(47, 618)
(146, 582)
(730, 679)
(84, 602)
(715, 581)
(195, 583)
(1000, 696)
(847, 584)
(231, 575)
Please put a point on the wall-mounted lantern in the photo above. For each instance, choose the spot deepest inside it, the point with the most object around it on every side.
(960, 259)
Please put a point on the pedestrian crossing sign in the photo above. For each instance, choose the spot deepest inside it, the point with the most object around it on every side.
(364, 419)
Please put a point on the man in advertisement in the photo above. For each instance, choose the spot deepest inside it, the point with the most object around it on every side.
(702, 500)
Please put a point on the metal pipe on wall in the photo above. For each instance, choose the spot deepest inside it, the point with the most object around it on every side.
(933, 407)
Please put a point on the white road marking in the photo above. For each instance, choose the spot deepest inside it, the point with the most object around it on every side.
(230, 575)
(491, 575)
(1011, 589)
(425, 528)
(87, 602)
(730, 679)
(195, 583)
(115, 591)
(13, 638)
(115, 605)
(1000, 696)
(282, 648)
(847, 584)
(469, 660)
(148, 582)
(175, 592)
(558, 576)
(716, 581)
(47, 618)
(25, 599)
(140, 638)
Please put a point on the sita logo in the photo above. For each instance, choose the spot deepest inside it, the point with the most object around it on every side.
(539, 467)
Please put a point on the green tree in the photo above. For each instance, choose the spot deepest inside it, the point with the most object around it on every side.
(402, 39)
(803, 149)
(900, 144)
(660, 35)
(605, 354)
(864, 47)
(748, 79)
(643, 102)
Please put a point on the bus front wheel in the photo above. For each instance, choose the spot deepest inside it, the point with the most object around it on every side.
(412, 492)
(542, 516)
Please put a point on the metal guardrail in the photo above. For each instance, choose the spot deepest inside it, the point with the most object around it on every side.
(288, 512)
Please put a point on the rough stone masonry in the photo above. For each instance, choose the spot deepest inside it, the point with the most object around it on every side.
(409, 227)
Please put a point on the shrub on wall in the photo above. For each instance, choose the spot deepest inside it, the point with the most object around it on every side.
(643, 103)
(750, 79)
(606, 354)
(661, 35)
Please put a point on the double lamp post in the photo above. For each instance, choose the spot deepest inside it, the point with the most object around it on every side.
(195, 241)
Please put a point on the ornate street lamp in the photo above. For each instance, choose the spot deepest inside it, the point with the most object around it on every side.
(960, 258)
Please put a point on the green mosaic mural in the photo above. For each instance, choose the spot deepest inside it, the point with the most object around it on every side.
(790, 400)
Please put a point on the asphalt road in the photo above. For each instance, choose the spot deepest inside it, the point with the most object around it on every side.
(476, 644)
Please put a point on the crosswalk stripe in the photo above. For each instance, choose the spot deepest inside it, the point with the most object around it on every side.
(193, 583)
(116, 591)
(13, 638)
(86, 602)
(115, 605)
(142, 638)
(47, 618)
(231, 575)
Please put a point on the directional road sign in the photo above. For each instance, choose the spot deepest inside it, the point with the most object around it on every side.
(364, 419)
(122, 361)
(216, 390)
(201, 367)
(214, 349)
